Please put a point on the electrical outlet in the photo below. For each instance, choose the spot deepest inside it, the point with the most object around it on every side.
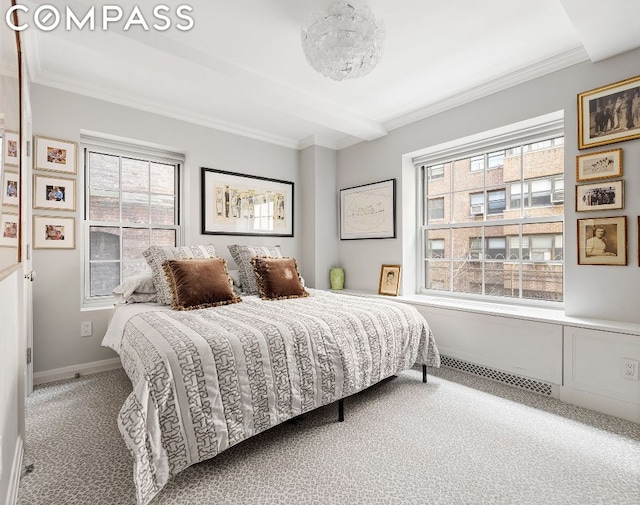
(86, 329)
(630, 368)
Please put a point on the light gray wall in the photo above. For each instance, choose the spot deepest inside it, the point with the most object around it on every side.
(606, 292)
(57, 290)
(318, 174)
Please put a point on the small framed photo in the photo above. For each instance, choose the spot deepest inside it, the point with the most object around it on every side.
(602, 165)
(56, 155)
(50, 232)
(9, 230)
(599, 196)
(606, 114)
(11, 148)
(10, 188)
(389, 280)
(57, 193)
(602, 241)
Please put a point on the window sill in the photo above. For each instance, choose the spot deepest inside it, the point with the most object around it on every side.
(529, 313)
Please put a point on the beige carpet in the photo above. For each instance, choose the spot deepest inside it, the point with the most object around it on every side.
(459, 439)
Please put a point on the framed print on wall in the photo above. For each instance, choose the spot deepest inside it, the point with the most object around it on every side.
(601, 165)
(10, 187)
(599, 196)
(602, 241)
(236, 204)
(57, 193)
(11, 148)
(9, 230)
(368, 211)
(51, 232)
(389, 280)
(607, 115)
(56, 155)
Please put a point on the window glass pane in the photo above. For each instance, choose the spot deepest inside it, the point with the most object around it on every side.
(540, 192)
(135, 207)
(162, 209)
(435, 209)
(135, 175)
(104, 205)
(163, 238)
(104, 243)
(464, 178)
(104, 171)
(104, 278)
(438, 275)
(134, 241)
(162, 179)
(437, 243)
(467, 277)
(500, 279)
(462, 242)
(496, 201)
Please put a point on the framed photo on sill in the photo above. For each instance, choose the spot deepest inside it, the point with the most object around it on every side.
(606, 114)
(389, 280)
(602, 241)
(9, 230)
(237, 204)
(601, 165)
(600, 196)
(10, 188)
(368, 211)
(57, 193)
(11, 148)
(51, 232)
(55, 155)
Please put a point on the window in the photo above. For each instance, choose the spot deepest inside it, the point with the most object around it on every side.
(436, 209)
(131, 203)
(436, 248)
(435, 172)
(502, 235)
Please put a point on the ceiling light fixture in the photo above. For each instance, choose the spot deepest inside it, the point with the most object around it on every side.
(344, 43)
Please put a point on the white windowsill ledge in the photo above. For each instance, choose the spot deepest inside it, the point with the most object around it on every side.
(540, 314)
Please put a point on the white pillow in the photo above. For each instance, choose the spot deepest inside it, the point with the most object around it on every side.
(137, 288)
(242, 255)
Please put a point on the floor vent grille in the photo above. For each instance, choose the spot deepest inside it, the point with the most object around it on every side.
(543, 388)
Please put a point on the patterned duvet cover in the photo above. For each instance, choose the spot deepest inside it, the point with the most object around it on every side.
(207, 379)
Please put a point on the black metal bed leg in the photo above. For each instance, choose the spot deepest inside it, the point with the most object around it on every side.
(424, 373)
(341, 410)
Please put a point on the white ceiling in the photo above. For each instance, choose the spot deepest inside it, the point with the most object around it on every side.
(242, 69)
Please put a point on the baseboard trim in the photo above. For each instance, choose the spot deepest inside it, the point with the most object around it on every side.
(599, 403)
(68, 372)
(16, 470)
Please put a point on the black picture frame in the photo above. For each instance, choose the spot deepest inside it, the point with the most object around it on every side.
(249, 205)
(368, 211)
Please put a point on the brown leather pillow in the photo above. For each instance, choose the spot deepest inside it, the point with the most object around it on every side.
(278, 278)
(199, 283)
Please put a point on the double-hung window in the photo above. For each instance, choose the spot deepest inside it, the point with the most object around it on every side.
(492, 225)
(131, 202)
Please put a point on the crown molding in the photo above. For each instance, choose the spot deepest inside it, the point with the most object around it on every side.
(548, 66)
(316, 140)
(58, 82)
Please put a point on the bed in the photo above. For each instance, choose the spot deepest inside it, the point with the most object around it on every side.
(204, 380)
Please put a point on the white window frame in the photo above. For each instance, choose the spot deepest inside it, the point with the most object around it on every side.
(540, 129)
(122, 148)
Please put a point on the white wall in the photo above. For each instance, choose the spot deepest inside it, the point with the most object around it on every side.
(606, 292)
(57, 290)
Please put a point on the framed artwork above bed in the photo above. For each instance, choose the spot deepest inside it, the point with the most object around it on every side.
(236, 204)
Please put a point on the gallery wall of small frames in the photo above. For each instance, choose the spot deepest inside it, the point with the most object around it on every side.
(606, 115)
(55, 193)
